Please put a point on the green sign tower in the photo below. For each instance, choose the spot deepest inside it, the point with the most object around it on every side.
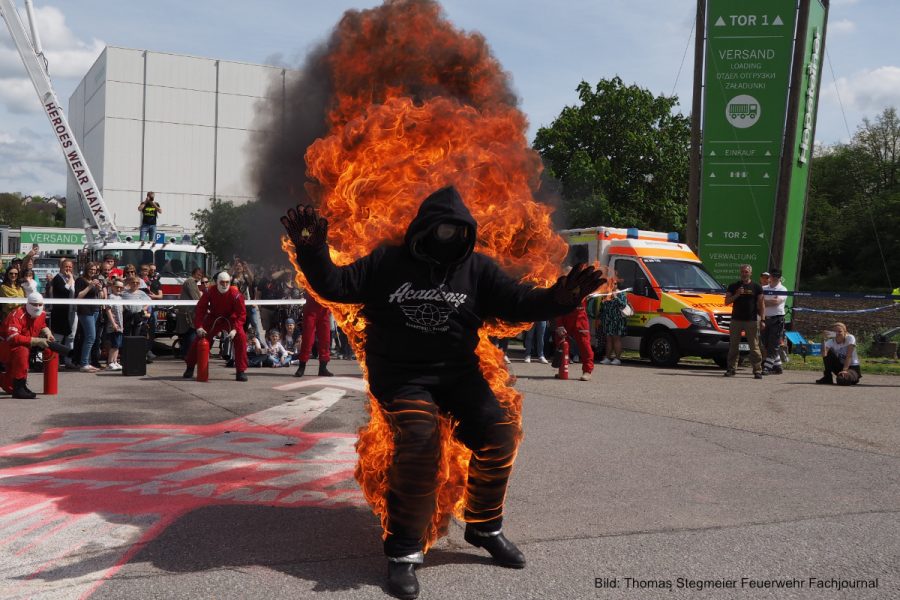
(749, 50)
(790, 209)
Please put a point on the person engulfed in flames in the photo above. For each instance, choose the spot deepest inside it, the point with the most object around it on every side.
(423, 303)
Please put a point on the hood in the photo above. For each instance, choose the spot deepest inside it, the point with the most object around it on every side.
(440, 207)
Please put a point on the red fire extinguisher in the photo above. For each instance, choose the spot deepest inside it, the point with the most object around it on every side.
(203, 359)
(51, 372)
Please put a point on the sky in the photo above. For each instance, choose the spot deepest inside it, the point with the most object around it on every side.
(547, 47)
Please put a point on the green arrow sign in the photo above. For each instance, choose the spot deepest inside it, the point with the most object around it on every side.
(748, 60)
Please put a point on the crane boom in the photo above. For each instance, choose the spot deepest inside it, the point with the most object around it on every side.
(88, 193)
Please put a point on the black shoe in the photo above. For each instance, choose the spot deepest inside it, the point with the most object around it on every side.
(323, 370)
(758, 375)
(503, 551)
(402, 582)
(21, 391)
(301, 369)
(826, 380)
(729, 373)
(188, 373)
(240, 376)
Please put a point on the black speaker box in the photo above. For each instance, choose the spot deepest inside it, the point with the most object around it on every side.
(134, 355)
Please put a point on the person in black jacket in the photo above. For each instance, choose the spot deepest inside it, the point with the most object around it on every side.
(62, 316)
(424, 302)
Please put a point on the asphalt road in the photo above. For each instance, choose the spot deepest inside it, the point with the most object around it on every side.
(642, 483)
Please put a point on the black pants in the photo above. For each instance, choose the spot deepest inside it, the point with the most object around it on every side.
(834, 365)
(771, 341)
(412, 409)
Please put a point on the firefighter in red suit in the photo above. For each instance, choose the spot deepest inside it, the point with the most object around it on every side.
(23, 329)
(316, 326)
(577, 326)
(221, 308)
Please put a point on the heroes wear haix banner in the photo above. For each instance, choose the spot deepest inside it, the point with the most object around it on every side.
(749, 50)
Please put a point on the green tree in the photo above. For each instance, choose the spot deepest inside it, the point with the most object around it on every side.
(224, 228)
(37, 213)
(852, 229)
(621, 157)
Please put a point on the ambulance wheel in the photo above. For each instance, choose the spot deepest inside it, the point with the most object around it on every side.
(662, 350)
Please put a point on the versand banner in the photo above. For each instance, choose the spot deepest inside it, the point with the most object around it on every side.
(808, 104)
(747, 74)
(52, 239)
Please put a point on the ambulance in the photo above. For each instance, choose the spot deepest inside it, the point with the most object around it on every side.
(679, 308)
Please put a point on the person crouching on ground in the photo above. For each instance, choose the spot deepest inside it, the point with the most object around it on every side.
(840, 357)
(24, 328)
(221, 308)
(425, 301)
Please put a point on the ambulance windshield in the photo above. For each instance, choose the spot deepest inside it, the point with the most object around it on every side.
(682, 275)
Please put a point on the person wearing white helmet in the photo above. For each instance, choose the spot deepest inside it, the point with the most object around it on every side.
(221, 308)
(24, 328)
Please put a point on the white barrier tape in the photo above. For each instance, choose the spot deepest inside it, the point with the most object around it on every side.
(132, 302)
(605, 294)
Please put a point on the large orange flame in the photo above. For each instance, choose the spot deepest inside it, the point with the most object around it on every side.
(419, 105)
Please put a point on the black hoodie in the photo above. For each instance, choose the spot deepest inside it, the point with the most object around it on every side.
(423, 317)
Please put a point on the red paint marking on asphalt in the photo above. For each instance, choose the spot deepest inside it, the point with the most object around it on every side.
(149, 535)
(73, 548)
(146, 477)
(63, 523)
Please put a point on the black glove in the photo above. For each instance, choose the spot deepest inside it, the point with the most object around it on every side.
(304, 227)
(59, 348)
(571, 289)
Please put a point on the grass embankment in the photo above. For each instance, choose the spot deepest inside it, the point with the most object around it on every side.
(874, 366)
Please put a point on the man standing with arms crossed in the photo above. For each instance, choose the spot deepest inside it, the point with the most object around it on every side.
(774, 329)
(747, 312)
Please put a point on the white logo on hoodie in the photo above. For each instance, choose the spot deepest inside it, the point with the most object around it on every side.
(406, 292)
(429, 317)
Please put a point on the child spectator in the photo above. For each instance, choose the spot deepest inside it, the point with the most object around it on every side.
(291, 335)
(255, 354)
(276, 355)
(114, 326)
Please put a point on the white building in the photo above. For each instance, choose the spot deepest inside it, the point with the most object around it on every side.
(176, 125)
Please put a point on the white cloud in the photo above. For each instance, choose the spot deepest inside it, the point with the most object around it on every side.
(67, 56)
(868, 91)
(30, 163)
(18, 96)
(841, 26)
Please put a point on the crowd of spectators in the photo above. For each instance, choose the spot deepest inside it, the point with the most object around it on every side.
(94, 333)
(273, 331)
